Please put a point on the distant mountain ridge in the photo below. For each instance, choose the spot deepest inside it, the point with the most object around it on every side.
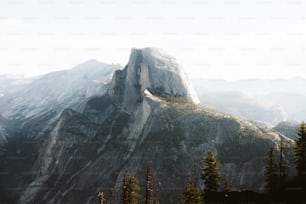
(253, 86)
(290, 129)
(266, 100)
(56, 91)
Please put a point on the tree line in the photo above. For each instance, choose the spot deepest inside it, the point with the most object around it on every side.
(276, 171)
(278, 183)
(192, 194)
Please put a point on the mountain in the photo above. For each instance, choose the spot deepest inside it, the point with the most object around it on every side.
(4, 132)
(3, 129)
(252, 86)
(38, 102)
(148, 115)
(11, 83)
(244, 106)
(57, 90)
(288, 128)
(264, 100)
(292, 103)
(31, 106)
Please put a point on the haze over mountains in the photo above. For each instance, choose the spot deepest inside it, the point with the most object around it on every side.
(265, 100)
(57, 90)
(68, 134)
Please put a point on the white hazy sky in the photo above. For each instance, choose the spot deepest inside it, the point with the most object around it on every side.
(211, 38)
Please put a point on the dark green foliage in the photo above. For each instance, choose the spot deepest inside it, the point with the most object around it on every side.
(210, 172)
(130, 190)
(226, 183)
(300, 151)
(271, 177)
(284, 173)
(151, 187)
(192, 194)
(283, 166)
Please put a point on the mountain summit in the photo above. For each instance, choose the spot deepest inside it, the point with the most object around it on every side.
(151, 71)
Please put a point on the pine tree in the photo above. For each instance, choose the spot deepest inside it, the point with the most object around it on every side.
(149, 188)
(152, 186)
(130, 190)
(124, 190)
(210, 172)
(192, 194)
(283, 165)
(300, 151)
(111, 196)
(271, 177)
(226, 183)
(284, 173)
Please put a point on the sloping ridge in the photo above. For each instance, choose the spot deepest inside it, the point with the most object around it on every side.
(56, 91)
(148, 116)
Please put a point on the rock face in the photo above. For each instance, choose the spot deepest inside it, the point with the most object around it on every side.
(31, 107)
(154, 71)
(148, 116)
(3, 130)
